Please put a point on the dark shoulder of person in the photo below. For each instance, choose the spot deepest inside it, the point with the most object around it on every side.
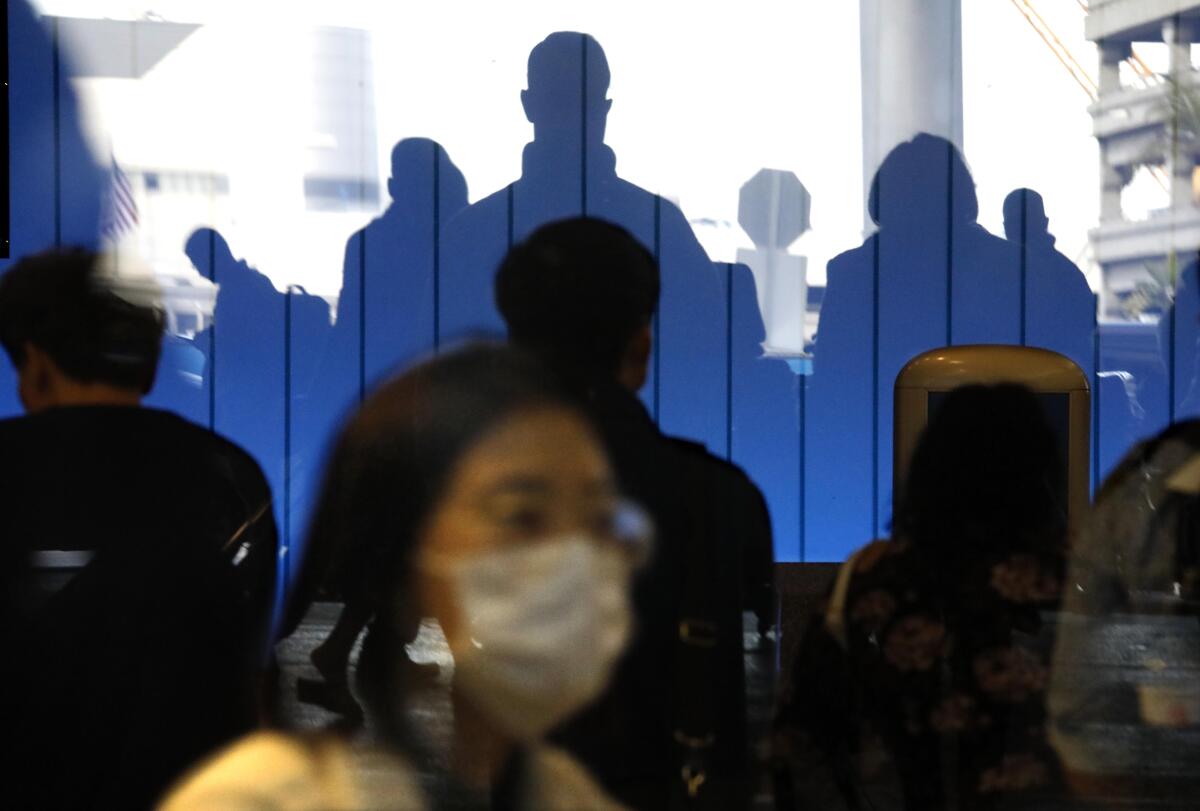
(735, 512)
(132, 466)
(737, 496)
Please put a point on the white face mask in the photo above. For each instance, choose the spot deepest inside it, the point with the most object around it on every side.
(544, 624)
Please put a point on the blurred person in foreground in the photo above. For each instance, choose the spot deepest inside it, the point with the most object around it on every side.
(485, 501)
(923, 683)
(1125, 688)
(150, 656)
(581, 294)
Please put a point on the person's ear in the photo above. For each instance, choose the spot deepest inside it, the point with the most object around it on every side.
(393, 188)
(36, 379)
(526, 103)
(635, 365)
(607, 106)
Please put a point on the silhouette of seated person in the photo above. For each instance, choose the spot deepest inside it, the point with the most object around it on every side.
(568, 170)
(385, 317)
(1059, 305)
(150, 655)
(580, 294)
(929, 276)
(924, 678)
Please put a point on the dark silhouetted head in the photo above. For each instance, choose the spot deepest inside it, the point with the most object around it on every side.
(567, 98)
(922, 181)
(581, 293)
(984, 476)
(206, 249)
(72, 338)
(1024, 215)
(413, 161)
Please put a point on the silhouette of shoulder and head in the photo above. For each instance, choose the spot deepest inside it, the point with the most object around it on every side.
(209, 252)
(566, 100)
(207, 246)
(72, 339)
(922, 180)
(1025, 220)
(581, 293)
(410, 183)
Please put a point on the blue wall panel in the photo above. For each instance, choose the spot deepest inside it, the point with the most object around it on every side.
(764, 415)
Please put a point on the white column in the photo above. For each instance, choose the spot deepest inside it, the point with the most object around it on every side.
(1112, 179)
(1180, 162)
(911, 75)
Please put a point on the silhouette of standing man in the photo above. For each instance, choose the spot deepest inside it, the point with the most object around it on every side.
(1059, 307)
(568, 171)
(930, 276)
(386, 315)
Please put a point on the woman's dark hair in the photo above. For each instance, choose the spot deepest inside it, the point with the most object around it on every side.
(920, 179)
(985, 476)
(387, 472)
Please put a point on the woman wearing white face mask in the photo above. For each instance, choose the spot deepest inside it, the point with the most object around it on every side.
(484, 500)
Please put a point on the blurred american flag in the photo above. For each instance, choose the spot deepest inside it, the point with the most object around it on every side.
(120, 211)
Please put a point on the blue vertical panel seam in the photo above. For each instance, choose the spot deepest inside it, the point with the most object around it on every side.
(875, 385)
(212, 336)
(362, 317)
(56, 114)
(949, 250)
(1095, 394)
(583, 143)
(802, 387)
(287, 429)
(1024, 270)
(729, 361)
(658, 309)
(1171, 329)
(437, 256)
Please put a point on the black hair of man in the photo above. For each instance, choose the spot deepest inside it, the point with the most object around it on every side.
(577, 292)
(56, 302)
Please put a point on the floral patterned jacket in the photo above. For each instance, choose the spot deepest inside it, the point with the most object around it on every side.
(925, 684)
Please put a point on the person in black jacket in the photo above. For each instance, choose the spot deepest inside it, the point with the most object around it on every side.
(580, 294)
(151, 654)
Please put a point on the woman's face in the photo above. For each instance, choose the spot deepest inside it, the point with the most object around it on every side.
(539, 476)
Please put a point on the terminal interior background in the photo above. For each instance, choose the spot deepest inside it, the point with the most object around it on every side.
(236, 150)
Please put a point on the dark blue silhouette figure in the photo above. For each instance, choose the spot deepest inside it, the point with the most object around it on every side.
(245, 372)
(568, 171)
(57, 185)
(387, 308)
(1059, 307)
(263, 351)
(930, 276)
(386, 317)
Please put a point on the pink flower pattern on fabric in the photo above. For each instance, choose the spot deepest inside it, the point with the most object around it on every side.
(1010, 674)
(1021, 580)
(915, 643)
